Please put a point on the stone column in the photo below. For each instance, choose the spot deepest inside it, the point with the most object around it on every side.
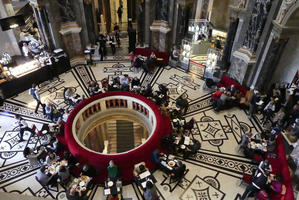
(244, 58)
(70, 32)
(160, 36)
(175, 23)
(229, 43)
(147, 35)
(9, 42)
(170, 12)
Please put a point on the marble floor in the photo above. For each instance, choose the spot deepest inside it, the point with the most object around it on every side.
(214, 172)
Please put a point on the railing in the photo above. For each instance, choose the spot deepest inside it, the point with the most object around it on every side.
(107, 105)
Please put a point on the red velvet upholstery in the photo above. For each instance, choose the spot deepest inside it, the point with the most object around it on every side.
(280, 165)
(159, 54)
(226, 82)
(125, 161)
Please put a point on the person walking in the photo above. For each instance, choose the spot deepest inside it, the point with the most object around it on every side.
(23, 127)
(34, 93)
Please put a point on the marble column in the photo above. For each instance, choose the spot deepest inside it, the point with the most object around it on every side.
(229, 43)
(160, 36)
(175, 23)
(171, 12)
(9, 42)
(147, 33)
(70, 32)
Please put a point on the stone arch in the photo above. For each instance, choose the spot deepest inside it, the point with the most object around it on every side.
(289, 13)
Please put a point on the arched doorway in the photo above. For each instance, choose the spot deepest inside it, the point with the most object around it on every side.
(288, 29)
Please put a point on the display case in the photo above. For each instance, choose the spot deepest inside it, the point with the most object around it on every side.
(213, 58)
(186, 51)
(199, 29)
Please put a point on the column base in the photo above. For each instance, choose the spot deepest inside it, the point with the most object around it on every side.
(241, 64)
(70, 32)
(160, 36)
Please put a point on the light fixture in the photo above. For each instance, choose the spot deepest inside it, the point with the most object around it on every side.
(14, 26)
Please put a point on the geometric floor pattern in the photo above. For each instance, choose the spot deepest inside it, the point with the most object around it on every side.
(214, 172)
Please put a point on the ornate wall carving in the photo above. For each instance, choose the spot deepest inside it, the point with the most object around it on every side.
(256, 24)
(66, 11)
(285, 7)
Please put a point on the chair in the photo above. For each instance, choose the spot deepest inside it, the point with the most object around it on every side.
(246, 178)
(262, 195)
(178, 179)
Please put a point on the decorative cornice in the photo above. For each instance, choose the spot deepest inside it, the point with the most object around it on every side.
(245, 54)
(70, 27)
(161, 26)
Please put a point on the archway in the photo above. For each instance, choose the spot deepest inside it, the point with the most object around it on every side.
(288, 63)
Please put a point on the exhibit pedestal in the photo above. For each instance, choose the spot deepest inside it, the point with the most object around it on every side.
(160, 36)
(70, 32)
(242, 62)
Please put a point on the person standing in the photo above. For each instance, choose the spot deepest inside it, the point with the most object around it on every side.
(23, 127)
(25, 50)
(120, 13)
(117, 32)
(253, 103)
(34, 93)
(111, 39)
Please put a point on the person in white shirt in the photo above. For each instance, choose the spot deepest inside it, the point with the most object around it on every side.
(25, 50)
(268, 111)
(34, 93)
(23, 127)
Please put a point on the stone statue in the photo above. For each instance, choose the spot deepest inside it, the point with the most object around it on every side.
(66, 11)
(162, 10)
(242, 3)
(256, 23)
(285, 6)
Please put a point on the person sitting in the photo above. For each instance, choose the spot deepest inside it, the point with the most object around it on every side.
(192, 148)
(268, 111)
(151, 62)
(49, 111)
(246, 138)
(139, 168)
(156, 156)
(135, 82)
(125, 83)
(93, 88)
(74, 194)
(33, 158)
(175, 54)
(71, 160)
(277, 187)
(222, 101)
(265, 167)
(182, 103)
(217, 94)
(112, 170)
(150, 192)
(64, 174)
(178, 171)
(50, 158)
(232, 89)
(259, 181)
(71, 97)
(89, 170)
(148, 91)
(44, 179)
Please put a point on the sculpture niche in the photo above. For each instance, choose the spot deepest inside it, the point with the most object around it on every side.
(66, 11)
(257, 23)
(162, 10)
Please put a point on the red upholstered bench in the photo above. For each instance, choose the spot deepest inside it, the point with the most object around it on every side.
(226, 82)
(147, 52)
(280, 165)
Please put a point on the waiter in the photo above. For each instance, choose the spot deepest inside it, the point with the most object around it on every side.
(23, 127)
(34, 93)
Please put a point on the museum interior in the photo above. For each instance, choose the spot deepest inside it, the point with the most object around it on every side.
(149, 99)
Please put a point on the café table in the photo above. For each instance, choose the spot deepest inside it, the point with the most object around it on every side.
(54, 167)
(112, 187)
(81, 184)
(168, 162)
(143, 178)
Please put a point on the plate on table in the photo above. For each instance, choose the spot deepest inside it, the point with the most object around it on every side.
(171, 163)
(83, 189)
(74, 186)
(110, 184)
(183, 146)
(76, 180)
(82, 183)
